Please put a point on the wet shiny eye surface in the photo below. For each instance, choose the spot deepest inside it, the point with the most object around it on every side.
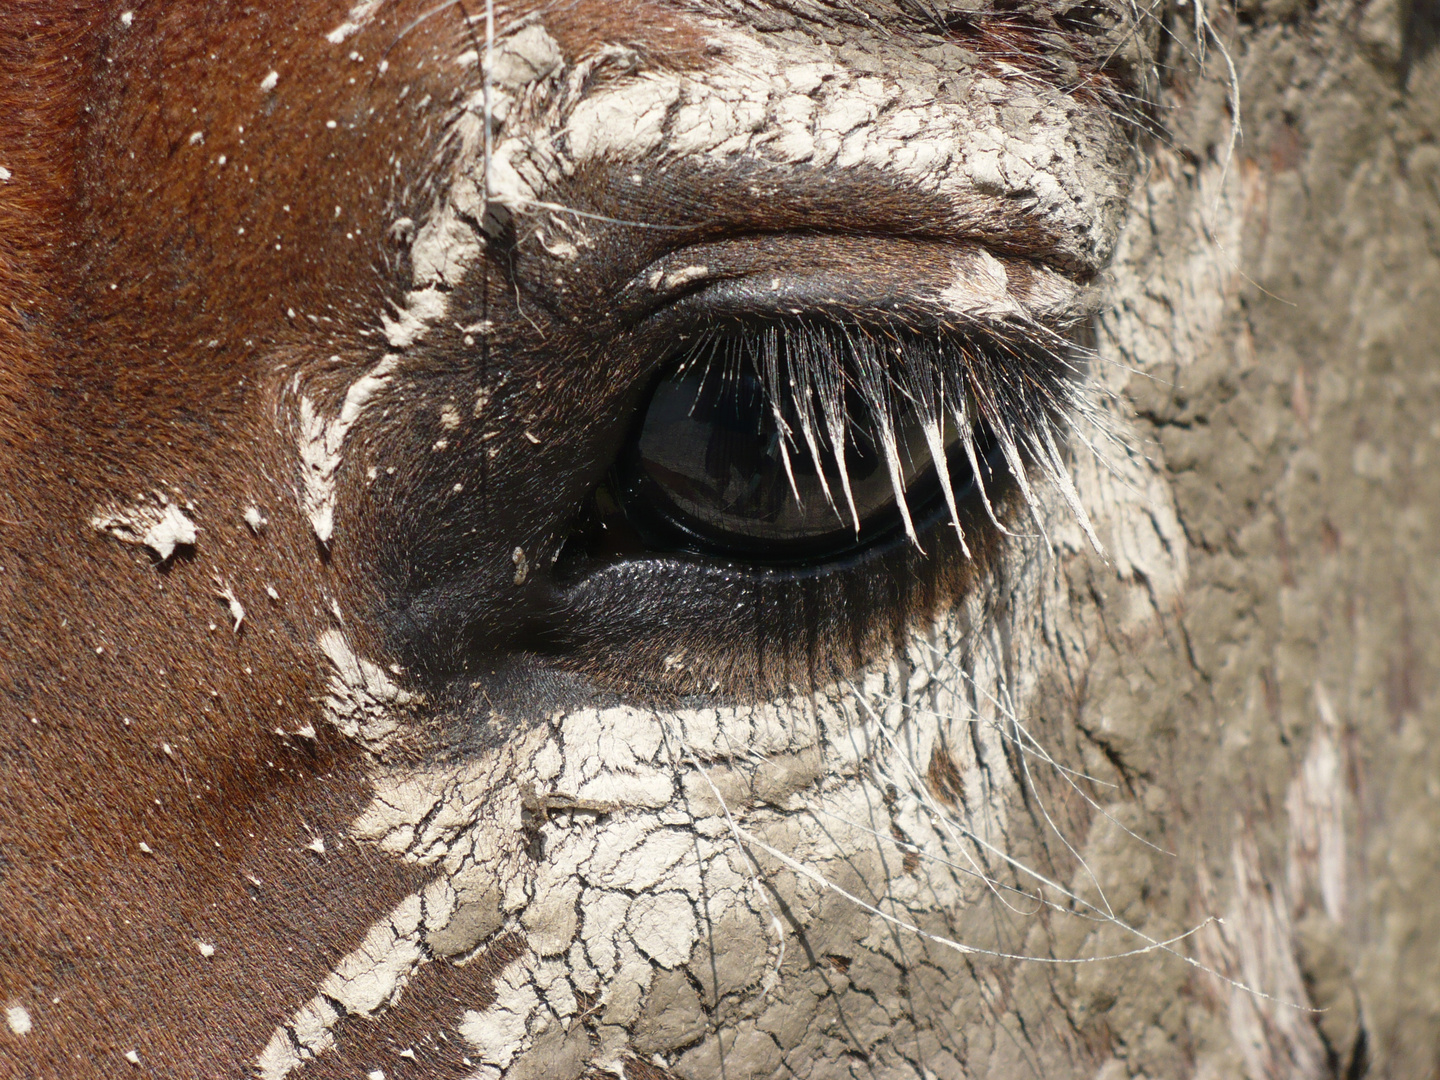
(796, 443)
(765, 445)
(774, 511)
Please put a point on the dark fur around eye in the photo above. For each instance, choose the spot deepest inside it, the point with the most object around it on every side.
(593, 588)
(522, 550)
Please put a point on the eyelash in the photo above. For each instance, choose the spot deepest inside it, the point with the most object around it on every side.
(1000, 394)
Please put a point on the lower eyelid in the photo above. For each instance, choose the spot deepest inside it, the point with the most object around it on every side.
(752, 631)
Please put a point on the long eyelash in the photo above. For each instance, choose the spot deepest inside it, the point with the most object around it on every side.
(803, 391)
(830, 388)
(875, 383)
(926, 385)
(776, 394)
(1018, 387)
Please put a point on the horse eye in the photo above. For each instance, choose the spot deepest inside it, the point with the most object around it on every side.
(772, 447)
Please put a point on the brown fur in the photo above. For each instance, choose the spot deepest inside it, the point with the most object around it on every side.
(423, 1022)
(147, 343)
(108, 392)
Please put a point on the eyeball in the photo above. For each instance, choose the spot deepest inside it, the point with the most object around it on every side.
(774, 457)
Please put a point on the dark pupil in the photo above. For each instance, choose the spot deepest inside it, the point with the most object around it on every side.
(712, 460)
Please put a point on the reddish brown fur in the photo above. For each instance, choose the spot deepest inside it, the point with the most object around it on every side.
(424, 1022)
(147, 342)
(103, 395)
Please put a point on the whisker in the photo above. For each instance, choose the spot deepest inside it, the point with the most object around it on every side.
(1067, 773)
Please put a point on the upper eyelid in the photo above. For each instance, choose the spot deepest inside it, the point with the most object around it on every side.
(707, 202)
(960, 180)
(904, 280)
(865, 211)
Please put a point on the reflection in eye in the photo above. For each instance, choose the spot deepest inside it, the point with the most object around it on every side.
(719, 450)
(802, 440)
